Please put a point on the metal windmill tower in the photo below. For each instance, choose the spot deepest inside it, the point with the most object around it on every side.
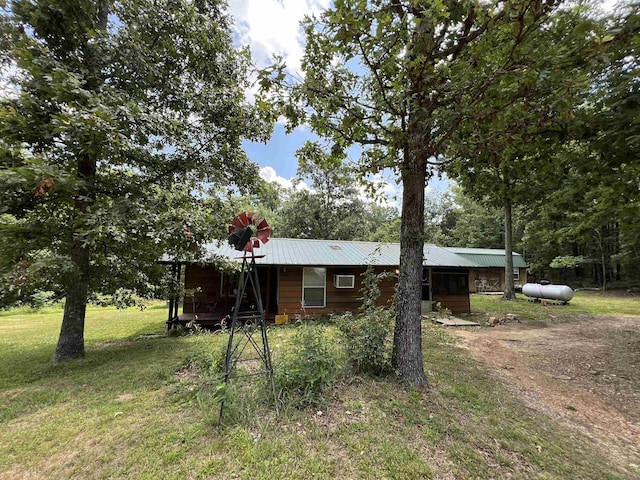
(246, 232)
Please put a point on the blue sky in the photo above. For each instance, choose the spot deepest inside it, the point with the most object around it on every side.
(272, 27)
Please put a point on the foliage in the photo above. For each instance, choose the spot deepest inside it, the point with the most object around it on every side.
(332, 207)
(311, 365)
(42, 299)
(439, 217)
(367, 335)
(473, 223)
(552, 157)
(441, 312)
(500, 152)
(265, 200)
(591, 213)
(370, 289)
(367, 338)
(567, 261)
(125, 115)
(400, 79)
(122, 298)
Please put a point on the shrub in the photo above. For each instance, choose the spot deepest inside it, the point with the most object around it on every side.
(42, 299)
(311, 365)
(122, 298)
(367, 338)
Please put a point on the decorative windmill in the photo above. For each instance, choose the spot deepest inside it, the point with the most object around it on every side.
(246, 232)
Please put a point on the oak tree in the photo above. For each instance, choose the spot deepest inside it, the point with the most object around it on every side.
(123, 113)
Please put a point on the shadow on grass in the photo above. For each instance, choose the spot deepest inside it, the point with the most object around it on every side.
(138, 363)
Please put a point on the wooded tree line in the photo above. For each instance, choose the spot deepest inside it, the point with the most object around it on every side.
(121, 139)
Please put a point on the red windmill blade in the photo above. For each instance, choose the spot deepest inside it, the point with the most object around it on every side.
(243, 227)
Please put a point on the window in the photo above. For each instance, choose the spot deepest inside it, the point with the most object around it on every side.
(516, 273)
(344, 281)
(450, 283)
(314, 284)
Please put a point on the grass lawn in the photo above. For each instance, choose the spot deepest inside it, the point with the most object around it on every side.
(583, 303)
(131, 410)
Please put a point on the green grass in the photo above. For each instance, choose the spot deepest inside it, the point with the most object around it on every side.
(583, 303)
(136, 408)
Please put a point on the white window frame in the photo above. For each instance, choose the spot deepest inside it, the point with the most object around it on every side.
(323, 287)
(516, 274)
(337, 278)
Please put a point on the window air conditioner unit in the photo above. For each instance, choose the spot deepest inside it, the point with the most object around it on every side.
(344, 281)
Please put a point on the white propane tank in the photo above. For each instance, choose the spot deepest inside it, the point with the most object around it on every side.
(563, 293)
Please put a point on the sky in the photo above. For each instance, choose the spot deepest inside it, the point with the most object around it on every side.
(272, 27)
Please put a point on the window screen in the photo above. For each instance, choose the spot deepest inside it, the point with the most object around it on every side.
(314, 284)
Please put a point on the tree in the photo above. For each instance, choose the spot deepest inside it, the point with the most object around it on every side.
(587, 204)
(438, 218)
(333, 207)
(474, 224)
(500, 155)
(398, 77)
(125, 113)
(328, 209)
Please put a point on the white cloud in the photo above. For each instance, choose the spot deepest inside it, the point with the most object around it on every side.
(388, 192)
(272, 27)
(269, 174)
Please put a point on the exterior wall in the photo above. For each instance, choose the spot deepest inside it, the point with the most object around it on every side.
(207, 279)
(455, 303)
(494, 278)
(288, 283)
(214, 298)
(337, 299)
(450, 288)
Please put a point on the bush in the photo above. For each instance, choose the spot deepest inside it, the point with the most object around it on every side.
(121, 299)
(42, 299)
(367, 339)
(311, 365)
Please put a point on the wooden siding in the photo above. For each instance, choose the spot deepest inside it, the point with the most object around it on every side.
(455, 303)
(207, 279)
(288, 282)
(495, 273)
(337, 299)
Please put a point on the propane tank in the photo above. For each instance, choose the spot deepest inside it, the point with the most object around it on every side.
(562, 293)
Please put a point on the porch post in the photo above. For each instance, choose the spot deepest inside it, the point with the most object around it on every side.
(171, 298)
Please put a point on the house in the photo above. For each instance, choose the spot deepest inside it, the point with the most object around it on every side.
(301, 277)
(490, 275)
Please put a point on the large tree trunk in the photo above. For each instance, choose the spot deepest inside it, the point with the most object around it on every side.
(407, 341)
(509, 288)
(71, 340)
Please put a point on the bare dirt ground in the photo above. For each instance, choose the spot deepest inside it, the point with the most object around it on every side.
(584, 373)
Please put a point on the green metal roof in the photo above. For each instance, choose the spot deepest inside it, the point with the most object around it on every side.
(488, 257)
(289, 251)
(293, 251)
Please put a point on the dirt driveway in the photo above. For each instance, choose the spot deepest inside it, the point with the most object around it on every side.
(584, 373)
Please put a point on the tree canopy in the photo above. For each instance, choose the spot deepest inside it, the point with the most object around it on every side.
(124, 114)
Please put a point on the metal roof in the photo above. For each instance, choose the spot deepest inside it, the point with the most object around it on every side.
(290, 251)
(488, 257)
